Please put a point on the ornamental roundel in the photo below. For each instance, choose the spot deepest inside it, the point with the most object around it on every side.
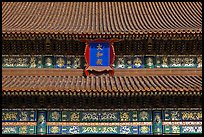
(144, 129)
(23, 116)
(74, 116)
(60, 62)
(55, 116)
(54, 129)
(143, 115)
(137, 62)
(48, 62)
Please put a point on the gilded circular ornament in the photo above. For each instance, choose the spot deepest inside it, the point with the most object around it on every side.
(54, 129)
(137, 62)
(145, 129)
(55, 115)
(143, 115)
(60, 62)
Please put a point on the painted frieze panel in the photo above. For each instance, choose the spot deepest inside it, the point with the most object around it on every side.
(189, 62)
(99, 116)
(48, 62)
(22, 61)
(167, 129)
(108, 116)
(182, 115)
(191, 129)
(133, 115)
(171, 115)
(99, 130)
(157, 122)
(171, 129)
(199, 62)
(145, 129)
(135, 130)
(175, 129)
(63, 130)
(65, 116)
(175, 115)
(33, 62)
(54, 116)
(77, 63)
(121, 61)
(149, 61)
(162, 62)
(144, 116)
(124, 116)
(138, 62)
(60, 62)
(41, 124)
(10, 130)
(27, 115)
(175, 62)
(69, 61)
(89, 116)
(75, 116)
(54, 129)
(10, 115)
(128, 62)
(191, 115)
(8, 61)
(140, 121)
(158, 63)
(39, 61)
(27, 129)
(125, 130)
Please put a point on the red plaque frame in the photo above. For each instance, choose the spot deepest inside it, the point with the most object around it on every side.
(87, 55)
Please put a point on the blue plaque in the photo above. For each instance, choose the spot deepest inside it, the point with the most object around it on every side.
(99, 54)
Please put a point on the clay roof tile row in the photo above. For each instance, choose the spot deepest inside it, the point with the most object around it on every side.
(102, 83)
(102, 17)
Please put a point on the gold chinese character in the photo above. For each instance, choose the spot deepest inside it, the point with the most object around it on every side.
(99, 47)
(99, 62)
(99, 54)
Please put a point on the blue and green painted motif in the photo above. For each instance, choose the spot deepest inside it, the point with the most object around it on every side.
(121, 61)
(27, 129)
(8, 115)
(18, 129)
(147, 121)
(157, 122)
(145, 130)
(149, 61)
(10, 130)
(54, 116)
(41, 123)
(144, 115)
